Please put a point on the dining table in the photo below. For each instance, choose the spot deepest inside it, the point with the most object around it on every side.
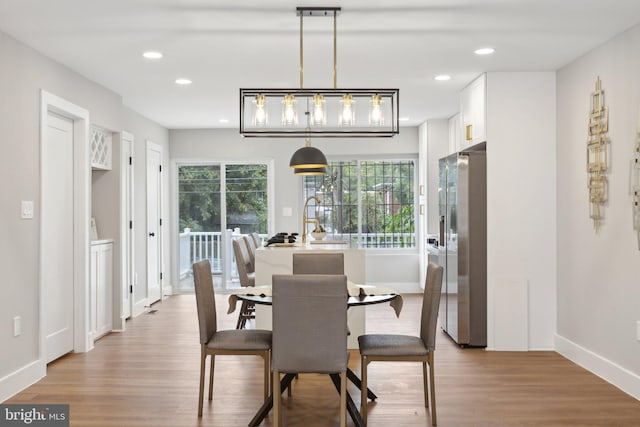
(359, 295)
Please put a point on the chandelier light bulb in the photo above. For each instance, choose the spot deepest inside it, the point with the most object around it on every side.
(289, 114)
(375, 111)
(260, 112)
(319, 113)
(347, 112)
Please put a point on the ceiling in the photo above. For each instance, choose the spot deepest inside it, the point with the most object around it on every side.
(225, 45)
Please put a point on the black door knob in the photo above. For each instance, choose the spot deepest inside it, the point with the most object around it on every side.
(152, 234)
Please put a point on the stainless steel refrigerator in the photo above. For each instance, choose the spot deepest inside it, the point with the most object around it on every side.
(463, 216)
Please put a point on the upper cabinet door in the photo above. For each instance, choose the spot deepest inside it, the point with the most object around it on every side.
(455, 134)
(473, 111)
(100, 149)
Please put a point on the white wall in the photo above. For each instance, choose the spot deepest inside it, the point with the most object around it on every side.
(23, 74)
(521, 207)
(599, 273)
(228, 145)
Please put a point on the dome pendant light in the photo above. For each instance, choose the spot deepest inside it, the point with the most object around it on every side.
(310, 171)
(308, 160)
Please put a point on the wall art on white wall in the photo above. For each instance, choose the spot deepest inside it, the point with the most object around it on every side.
(598, 155)
(635, 184)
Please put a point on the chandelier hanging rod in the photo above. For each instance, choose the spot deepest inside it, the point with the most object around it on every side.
(319, 11)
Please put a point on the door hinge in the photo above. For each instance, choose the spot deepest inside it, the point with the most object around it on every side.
(160, 275)
(130, 225)
(160, 167)
(130, 289)
(160, 221)
(130, 160)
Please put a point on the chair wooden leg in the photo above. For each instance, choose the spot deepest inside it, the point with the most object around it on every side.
(363, 388)
(277, 416)
(267, 369)
(241, 315)
(213, 363)
(424, 384)
(203, 357)
(433, 389)
(343, 399)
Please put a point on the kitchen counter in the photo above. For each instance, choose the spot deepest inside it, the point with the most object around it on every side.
(272, 260)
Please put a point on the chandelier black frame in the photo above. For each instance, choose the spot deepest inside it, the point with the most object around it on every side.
(373, 112)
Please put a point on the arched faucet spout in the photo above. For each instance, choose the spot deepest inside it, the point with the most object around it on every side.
(306, 221)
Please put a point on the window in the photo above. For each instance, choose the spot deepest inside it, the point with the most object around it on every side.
(370, 202)
(218, 202)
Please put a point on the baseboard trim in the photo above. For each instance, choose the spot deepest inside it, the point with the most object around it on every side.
(17, 381)
(609, 371)
(139, 308)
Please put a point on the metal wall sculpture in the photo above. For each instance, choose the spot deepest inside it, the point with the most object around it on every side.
(598, 155)
(635, 185)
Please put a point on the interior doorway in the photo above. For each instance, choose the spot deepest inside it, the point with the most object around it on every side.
(64, 222)
(154, 222)
(127, 227)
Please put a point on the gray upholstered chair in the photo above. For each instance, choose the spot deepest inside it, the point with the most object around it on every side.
(214, 342)
(256, 239)
(309, 331)
(251, 249)
(405, 348)
(246, 274)
(316, 263)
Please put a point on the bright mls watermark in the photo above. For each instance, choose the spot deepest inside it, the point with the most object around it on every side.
(34, 415)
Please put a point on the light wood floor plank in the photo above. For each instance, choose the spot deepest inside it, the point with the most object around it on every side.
(148, 376)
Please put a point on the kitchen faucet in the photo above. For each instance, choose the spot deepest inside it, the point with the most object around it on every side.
(306, 221)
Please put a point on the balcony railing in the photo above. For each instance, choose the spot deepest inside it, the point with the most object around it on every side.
(216, 247)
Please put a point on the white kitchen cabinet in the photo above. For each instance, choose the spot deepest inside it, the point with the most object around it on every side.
(473, 112)
(101, 292)
(101, 151)
(455, 134)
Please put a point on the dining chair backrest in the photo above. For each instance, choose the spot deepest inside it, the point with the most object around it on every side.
(243, 262)
(251, 249)
(205, 300)
(316, 263)
(309, 323)
(430, 305)
(256, 239)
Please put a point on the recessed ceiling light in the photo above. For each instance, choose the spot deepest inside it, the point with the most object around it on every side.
(484, 51)
(223, 121)
(404, 119)
(182, 81)
(443, 77)
(152, 55)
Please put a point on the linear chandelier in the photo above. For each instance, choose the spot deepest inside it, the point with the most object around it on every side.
(328, 112)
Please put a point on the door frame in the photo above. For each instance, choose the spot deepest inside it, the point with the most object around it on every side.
(174, 234)
(81, 223)
(127, 231)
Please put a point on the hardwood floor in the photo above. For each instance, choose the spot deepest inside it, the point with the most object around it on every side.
(148, 376)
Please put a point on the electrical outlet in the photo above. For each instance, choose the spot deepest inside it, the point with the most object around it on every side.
(17, 327)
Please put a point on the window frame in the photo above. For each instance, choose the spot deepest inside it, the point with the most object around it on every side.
(416, 199)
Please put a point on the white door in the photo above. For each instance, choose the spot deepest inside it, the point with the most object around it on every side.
(154, 222)
(128, 269)
(57, 237)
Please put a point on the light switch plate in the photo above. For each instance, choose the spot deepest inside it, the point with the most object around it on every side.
(26, 209)
(287, 211)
